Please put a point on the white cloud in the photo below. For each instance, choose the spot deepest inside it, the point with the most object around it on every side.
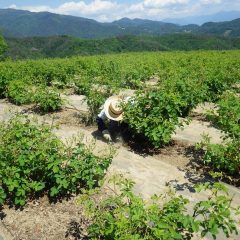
(80, 8)
(14, 6)
(109, 10)
(93, 7)
(39, 9)
(206, 2)
(162, 3)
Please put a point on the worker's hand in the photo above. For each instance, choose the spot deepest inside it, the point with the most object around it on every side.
(119, 138)
(106, 135)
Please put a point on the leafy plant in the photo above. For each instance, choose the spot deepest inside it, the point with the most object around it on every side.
(81, 168)
(34, 161)
(48, 100)
(222, 157)
(216, 213)
(95, 98)
(228, 114)
(2, 196)
(123, 215)
(155, 114)
(82, 86)
(20, 92)
(216, 85)
(192, 93)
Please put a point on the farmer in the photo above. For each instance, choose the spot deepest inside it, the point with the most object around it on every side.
(113, 112)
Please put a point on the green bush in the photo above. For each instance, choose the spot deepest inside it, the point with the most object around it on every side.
(228, 113)
(123, 215)
(34, 161)
(82, 87)
(222, 157)
(20, 92)
(191, 92)
(216, 85)
(95, 98)
(155, 114)
(225, 158)
(47, 99)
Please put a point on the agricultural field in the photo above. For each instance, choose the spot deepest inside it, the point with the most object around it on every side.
(54, 164)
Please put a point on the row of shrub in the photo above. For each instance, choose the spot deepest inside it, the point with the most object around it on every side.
(33, 161)
(185, 79)
(46, 99)
(126, 70)
(121, 214)
(225, 157)
(156, 112)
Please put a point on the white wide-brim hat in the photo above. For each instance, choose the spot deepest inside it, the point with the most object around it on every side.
(112, 108)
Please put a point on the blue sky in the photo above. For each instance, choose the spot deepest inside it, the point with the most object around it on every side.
(108, 10)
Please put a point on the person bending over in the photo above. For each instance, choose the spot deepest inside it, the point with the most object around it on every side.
(112, 112)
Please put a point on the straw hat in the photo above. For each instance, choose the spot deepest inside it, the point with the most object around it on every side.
(113, 109)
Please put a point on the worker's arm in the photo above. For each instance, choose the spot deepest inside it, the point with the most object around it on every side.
(100, 121)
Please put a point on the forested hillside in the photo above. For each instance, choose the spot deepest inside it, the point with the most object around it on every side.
(3, 46)
(64, 46)
(230, 28)
(19, 23)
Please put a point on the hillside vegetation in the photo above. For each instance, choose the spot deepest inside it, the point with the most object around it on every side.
(229, 28)
(19, 23)
(3, 46)
(66, 46)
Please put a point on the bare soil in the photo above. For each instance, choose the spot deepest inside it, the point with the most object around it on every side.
(41, 219)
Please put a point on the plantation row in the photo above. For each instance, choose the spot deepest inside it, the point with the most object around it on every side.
(185, 80)
(225, 158)
(34, 162)
(217, 69)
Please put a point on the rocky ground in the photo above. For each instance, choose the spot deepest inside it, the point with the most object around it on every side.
(176, 165)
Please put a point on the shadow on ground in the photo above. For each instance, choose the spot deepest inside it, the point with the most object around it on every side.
(76, 230)
(2, 214)
(195, 171)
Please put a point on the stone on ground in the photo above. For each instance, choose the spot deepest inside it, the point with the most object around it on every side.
(4, 233)
(75, 102)
(204, 108)
(193, 133)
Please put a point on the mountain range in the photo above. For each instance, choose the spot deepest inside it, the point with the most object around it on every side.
(199, 20)
(21, 23)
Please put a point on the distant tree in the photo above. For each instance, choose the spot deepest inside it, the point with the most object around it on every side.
(3, 47)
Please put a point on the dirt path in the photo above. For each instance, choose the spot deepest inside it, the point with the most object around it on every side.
(151, 173)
